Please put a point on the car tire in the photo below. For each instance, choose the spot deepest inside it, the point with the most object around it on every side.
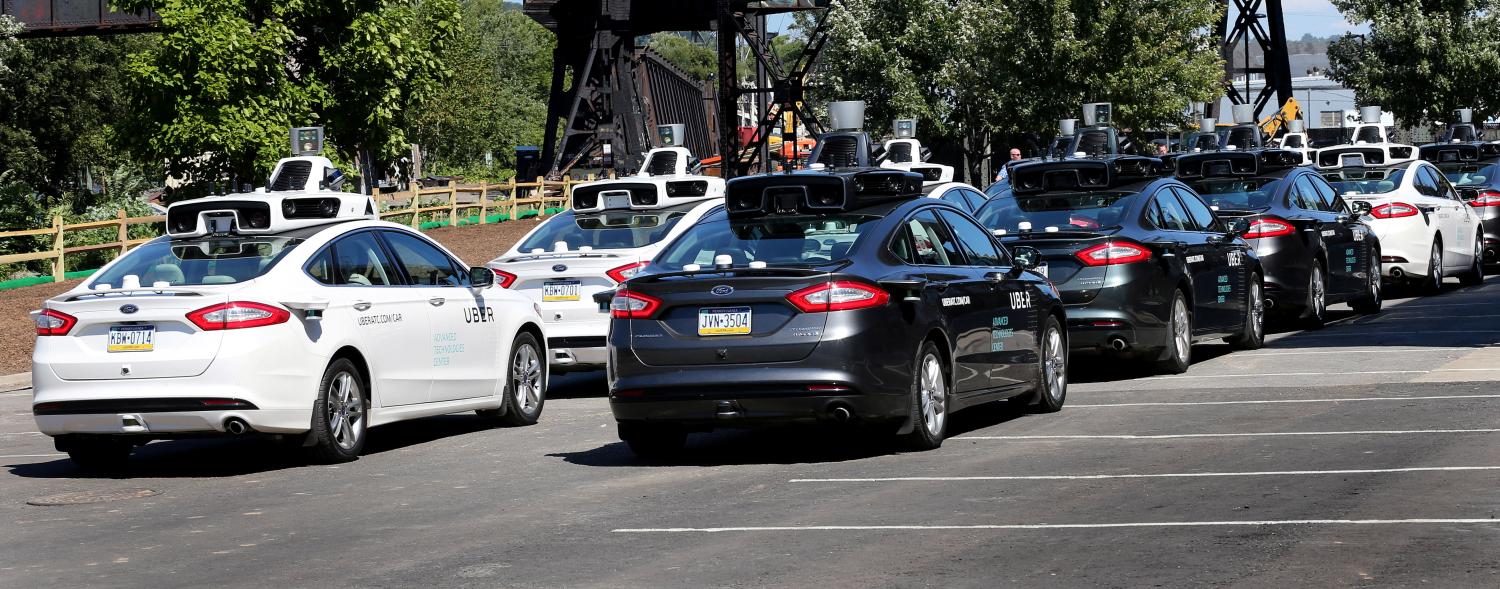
(1315, 306)
(1373, 298)
(1433, 283)
(929, 400)
(525, 385)
(652, 441)
(1475, 275)
(1177, 352)
(1253, 335)
(340, 414)
(100, 456)
(1052, 387)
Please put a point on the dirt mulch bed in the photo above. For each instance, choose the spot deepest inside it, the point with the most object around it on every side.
(474, 244)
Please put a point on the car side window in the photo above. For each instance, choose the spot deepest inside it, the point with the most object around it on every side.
(359, 260)
(1445, 188)
(1203, 217)
(1303, 195)
(320, 268)
(976, 200)
(424, 263)
(1425, 183)
(956, 196)
(1168, 214)
(977, 243)
(1327, 197)
(930, 241)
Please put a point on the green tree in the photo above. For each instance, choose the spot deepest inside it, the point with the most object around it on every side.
(231, 76)
(1422, 59)
(699, 60)
(9, 27)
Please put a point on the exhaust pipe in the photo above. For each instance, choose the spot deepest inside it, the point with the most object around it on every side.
(1118, 344)
(1270, 303)
(841, 414)
(1397, 273)
(237, 426)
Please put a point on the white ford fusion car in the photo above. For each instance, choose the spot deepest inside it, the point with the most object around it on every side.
(1426, 231)
(289, 311)
(613, 230)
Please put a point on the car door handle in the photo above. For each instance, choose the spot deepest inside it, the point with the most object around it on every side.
(938, 286)
(436, 301)
(361, 306)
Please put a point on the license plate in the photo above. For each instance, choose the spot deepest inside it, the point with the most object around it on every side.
(132, 338)
(1042, 269)
(562, 290)
(724, 321)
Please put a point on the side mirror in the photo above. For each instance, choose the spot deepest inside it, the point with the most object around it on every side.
(1468, 194)
(1238, 227)
(1359, 208)
(1026, 257)
(481, 277)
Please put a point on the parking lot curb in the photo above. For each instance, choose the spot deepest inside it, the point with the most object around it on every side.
(15, 382)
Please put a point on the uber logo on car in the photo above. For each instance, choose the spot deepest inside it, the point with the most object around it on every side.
(1020, 300)
(478, 314)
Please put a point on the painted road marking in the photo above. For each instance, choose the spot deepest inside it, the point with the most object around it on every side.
(1231, 435)
(1199, 524)
(1166, 475)
(33, 455)
(1273, 401)
(1343, 352)
(1264, 374)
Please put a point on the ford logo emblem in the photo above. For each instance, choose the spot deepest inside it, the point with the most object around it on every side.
(559, 268)
(722, 289)
(128, 309)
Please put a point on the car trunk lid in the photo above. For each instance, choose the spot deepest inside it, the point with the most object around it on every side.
(1076, 282)
(132, 334)
(701, 320)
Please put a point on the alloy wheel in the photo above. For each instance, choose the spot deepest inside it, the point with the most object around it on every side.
(1435, 267)
(934, 394)
(1182, 336)
(346, 410)
(526, 374)
(1317, 293)
(1055, 368)
(1257, 311)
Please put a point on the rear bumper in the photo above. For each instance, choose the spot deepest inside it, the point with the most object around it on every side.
(1405, 238)
(1122, 317)
(1491, 225)
(746, 409)
(163, 424)
(578, 345)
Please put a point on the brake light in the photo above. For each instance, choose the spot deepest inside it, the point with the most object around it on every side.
(627, 271)
(1393, 210)
(1488, 198)
(1114, 252)
(837, 296)
(237, 315)
(1269, 227)
(49, 322)
(633, 305)
(503, 279)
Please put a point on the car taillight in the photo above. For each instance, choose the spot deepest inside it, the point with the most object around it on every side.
(837, 296)
(1488, 198)
(1114, 252)
(49, 322)
(503, 279)
(627, 271)
(1393, 210)
(633, 305)
(237, 315)
(1269, 227)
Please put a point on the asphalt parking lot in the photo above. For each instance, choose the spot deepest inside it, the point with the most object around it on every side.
(1362, 454)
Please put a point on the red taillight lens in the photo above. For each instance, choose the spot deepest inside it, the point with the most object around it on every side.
(627, 271)
(49, 322)
(837, 296)
(237, 315)
(503, 279)
(1488, 198)
(1393, 210)
(633, 305)
(1114, 252)
(1269, 227)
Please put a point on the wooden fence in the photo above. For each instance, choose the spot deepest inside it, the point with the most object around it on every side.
(513, 198)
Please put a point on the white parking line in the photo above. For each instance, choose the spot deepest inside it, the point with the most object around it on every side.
(33, 455)
(1165, 475)
(1251, 523)
(1231, 435)
(1259, 374)
(1344, 352)
(21, 434)
(1274, 401)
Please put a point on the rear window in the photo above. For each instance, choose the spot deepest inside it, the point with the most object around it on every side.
(1470, 174)
(1236, 193)
(1365, 181)
(1076, 211)
(777, 241)
(193, 262)
(603, 230)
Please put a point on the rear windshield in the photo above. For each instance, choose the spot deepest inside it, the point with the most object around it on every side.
(1470, 174)
(1064, 210)
(1365, 181)
(1236, 193)
(777, 241)
(603, 230)
(192, 262)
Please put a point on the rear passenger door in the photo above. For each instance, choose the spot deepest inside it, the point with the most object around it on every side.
(1199, 257)
(1008, 306)
(960, 292)
(388, 320)
(1226, 308)
(1346, 261)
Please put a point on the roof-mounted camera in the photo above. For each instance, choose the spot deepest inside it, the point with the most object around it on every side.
(818, 192)
(669, 177)
(1080, 174)
(1225, 164)
(304, 191)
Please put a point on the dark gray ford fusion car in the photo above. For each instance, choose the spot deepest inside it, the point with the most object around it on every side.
(830, 297)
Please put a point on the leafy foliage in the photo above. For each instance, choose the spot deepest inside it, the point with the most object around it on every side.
(9, 27)
(1422, 59)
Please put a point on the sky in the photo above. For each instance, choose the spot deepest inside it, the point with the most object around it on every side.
(1316, 17)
